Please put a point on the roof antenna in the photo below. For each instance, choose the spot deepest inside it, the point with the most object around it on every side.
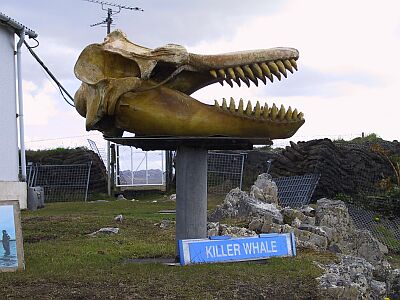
(107, 6)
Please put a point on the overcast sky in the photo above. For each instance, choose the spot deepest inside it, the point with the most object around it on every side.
(347, 81)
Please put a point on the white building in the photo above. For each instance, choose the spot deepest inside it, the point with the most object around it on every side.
(12, 187)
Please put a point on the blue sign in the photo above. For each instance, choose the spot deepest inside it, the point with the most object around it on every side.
(226, 249)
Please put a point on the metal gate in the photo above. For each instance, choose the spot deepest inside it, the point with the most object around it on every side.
(136, 168)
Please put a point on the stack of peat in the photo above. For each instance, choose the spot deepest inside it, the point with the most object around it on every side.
(346, 168)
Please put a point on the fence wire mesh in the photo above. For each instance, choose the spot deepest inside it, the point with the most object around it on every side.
(296, 191)
(387, 231)
(225, 171)
(61, 183)
(100, 152)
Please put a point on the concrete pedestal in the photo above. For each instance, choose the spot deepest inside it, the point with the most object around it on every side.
(191, 193)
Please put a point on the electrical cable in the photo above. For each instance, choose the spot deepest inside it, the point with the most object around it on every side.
(63, 91)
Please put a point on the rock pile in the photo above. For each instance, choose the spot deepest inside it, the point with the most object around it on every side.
(342, 168)
(328, 226)
(352, 278)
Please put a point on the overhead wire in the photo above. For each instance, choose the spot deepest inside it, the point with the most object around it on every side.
(64, 93)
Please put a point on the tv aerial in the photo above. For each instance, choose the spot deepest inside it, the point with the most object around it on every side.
(112, 9)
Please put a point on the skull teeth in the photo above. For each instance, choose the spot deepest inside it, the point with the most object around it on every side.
(260, 112)
(254, 72)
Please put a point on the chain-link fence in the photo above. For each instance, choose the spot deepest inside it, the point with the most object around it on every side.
(61, 183)
(225, 171)
(386, 230)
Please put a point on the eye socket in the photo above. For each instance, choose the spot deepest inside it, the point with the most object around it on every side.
(161, 71)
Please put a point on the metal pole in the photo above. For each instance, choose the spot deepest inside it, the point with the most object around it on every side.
(191, 193)
(109, 20)
(117, 175)
(147, 173)
(88, 180)
(108, 169)
(162, 167)
(241, 171)
(131, 166)
(21, 106)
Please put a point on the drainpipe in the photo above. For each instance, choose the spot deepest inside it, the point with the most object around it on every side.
(21, 105)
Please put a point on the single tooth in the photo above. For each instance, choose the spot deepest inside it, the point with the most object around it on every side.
(224, 106)
(266, 111)
(237, 80)
(229, 81)
(267, 72)
(274, 112)
(248, 109)
(258, 72)
(241, 75)
(300, 116)
(232, 107)
(250, 74)
(288, 66)
(289, 114)
(257, 110)
(216, 104)
(231, 73)
(240, 107)
(293, 63)
(281, 68)
(274, 69)
(222, 73)
(281, 113)
(294, 115)
(221, 82)
(213, 73)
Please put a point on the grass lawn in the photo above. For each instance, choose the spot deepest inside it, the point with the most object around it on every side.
(63, 262)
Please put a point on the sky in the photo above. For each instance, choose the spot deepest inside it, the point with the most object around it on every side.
(347, 82)
(7, 221)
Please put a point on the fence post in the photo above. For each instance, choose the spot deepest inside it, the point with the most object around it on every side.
(241, 172)
(87, 182)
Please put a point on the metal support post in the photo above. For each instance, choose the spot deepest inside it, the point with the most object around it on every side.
(21, 105)
(108, 169)
(191, 193)
(147, 168)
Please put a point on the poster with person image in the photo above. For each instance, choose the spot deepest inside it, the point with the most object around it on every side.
(11, 250)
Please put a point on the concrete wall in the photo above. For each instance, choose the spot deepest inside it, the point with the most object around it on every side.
(10, 187)
(14, 191)
(8, 122)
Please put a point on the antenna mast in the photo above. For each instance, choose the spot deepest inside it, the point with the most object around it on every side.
(107, 6)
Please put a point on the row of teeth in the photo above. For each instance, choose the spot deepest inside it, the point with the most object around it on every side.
(255, 71)
(258, 111)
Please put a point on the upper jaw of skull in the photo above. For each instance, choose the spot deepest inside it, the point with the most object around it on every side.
(117, 57)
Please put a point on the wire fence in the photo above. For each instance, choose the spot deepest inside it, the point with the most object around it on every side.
(225, 171)
(61, 183)
(296, 191)
(101, 152)
(386, 230)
